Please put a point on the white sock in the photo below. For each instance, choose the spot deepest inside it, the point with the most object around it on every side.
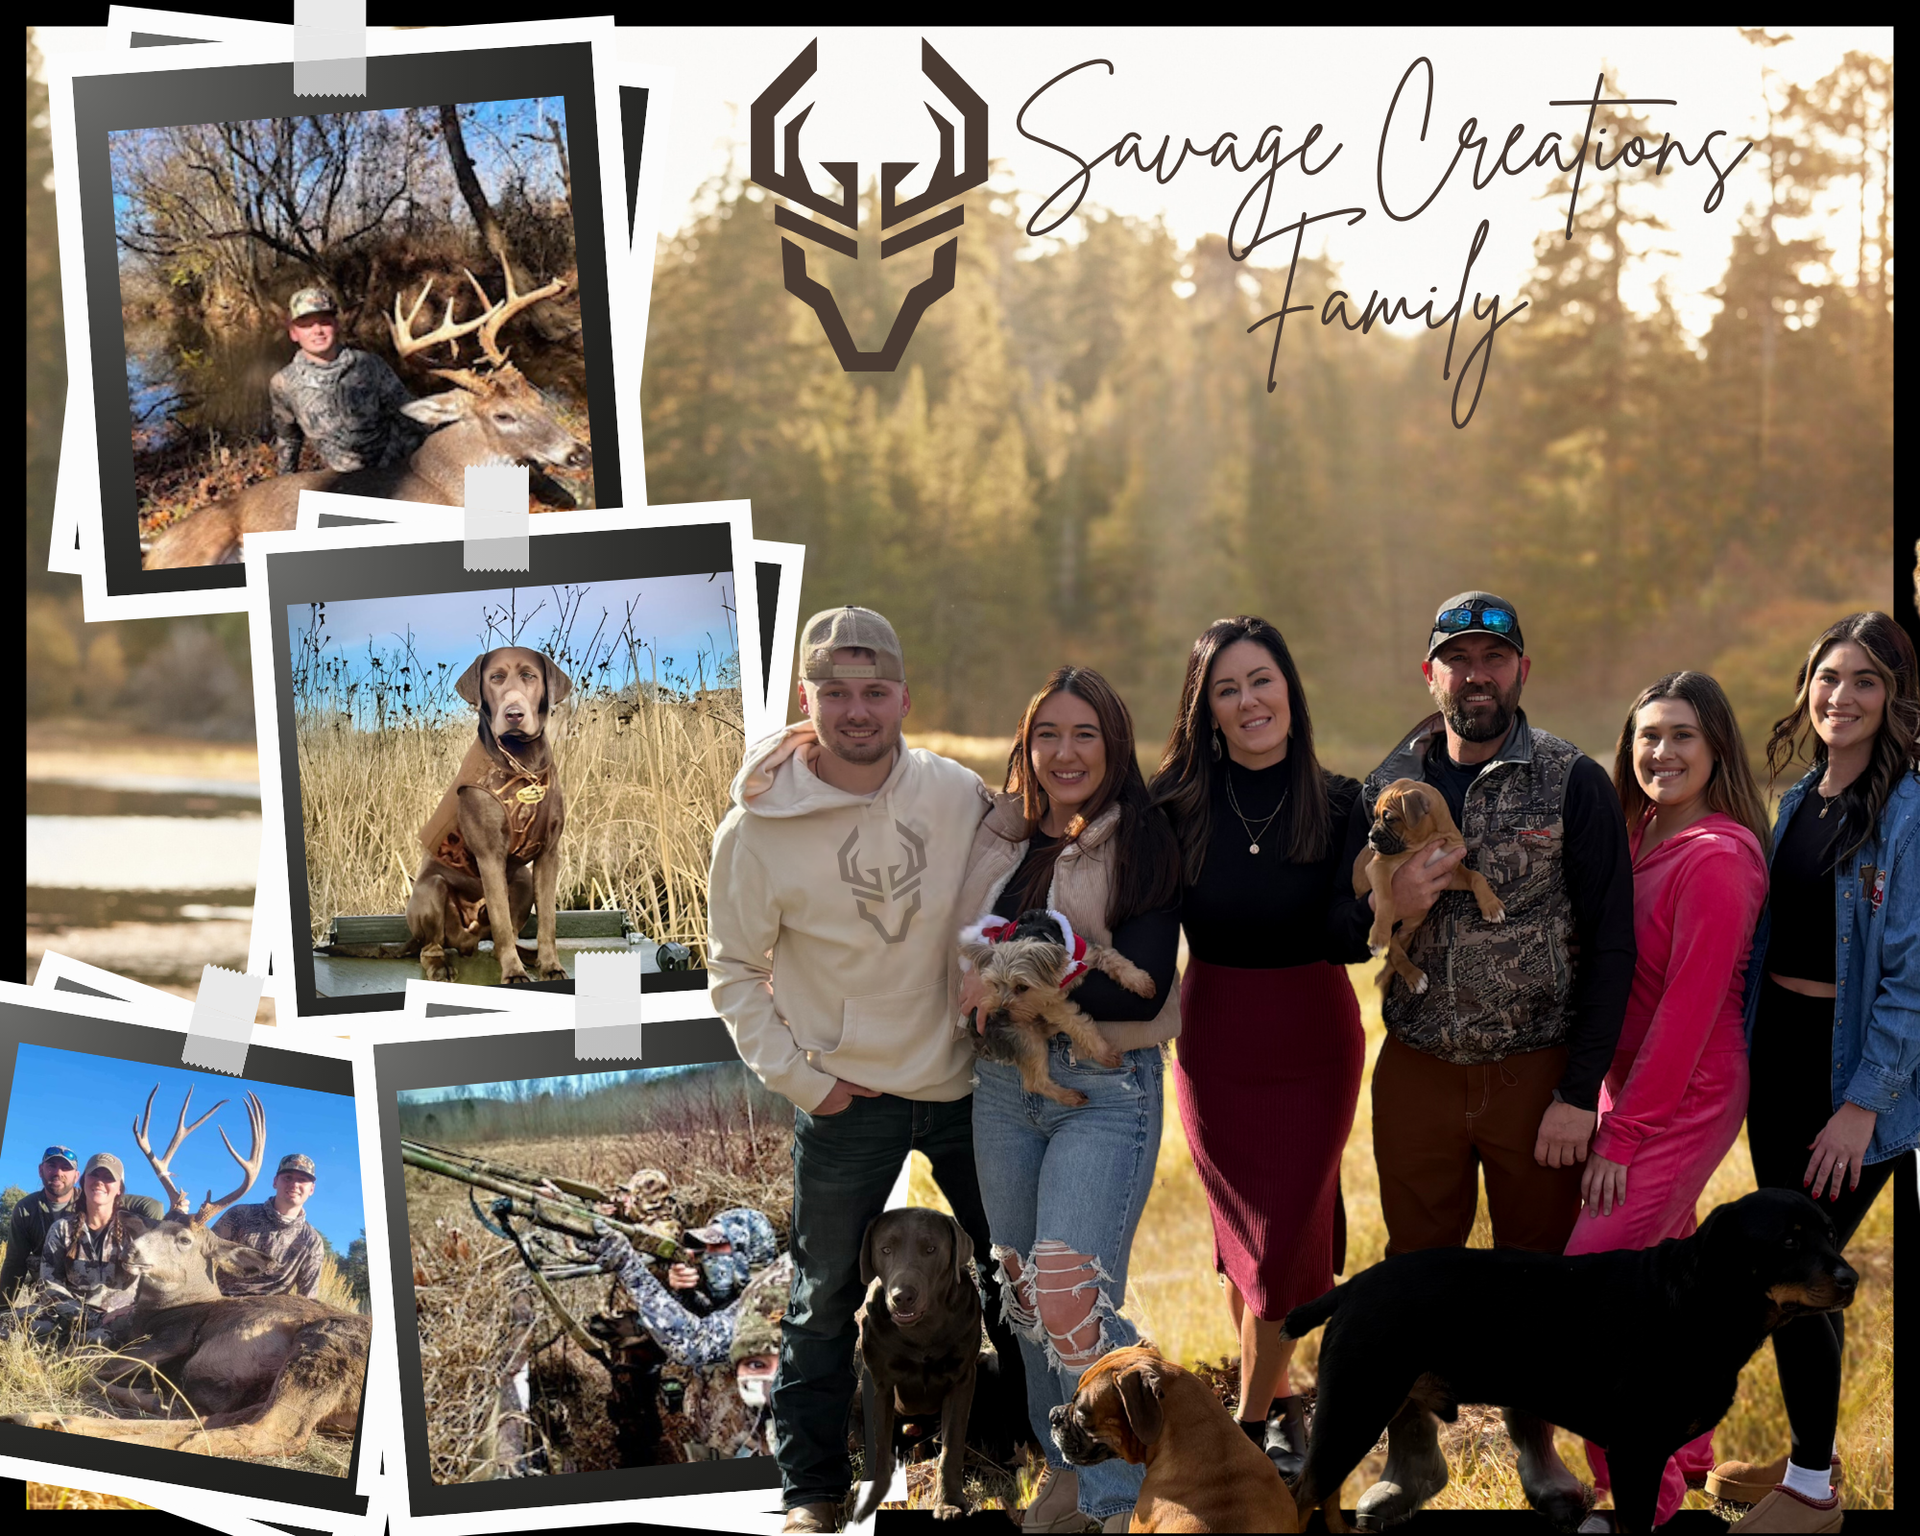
(1804, 1480)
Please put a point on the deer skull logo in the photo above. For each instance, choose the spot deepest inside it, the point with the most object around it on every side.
(897, 886)
(793, 185)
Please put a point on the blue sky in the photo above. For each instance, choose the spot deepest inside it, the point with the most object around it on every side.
(678, 617)
(533, 1087)
(90, 1103)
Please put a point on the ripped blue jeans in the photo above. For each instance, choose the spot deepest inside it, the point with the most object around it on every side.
(1064, 1189)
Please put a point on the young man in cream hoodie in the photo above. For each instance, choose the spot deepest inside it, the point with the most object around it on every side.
(832, 913)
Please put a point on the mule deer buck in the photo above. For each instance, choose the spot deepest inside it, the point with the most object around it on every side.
(489, 415)
(259, 1374)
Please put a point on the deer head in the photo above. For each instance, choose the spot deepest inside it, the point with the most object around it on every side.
(495, 398)
(179, 1259)
(792, 184)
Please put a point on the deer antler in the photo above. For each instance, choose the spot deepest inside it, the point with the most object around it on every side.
(405, 343)
(180, 1133)
(250, 1164)
(499, 314)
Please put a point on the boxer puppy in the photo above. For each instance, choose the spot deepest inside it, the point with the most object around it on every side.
(1411, 818)
(1203, 1473)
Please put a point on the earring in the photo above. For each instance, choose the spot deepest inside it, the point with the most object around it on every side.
(1217, 747)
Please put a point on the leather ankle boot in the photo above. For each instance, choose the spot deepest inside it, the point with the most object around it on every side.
(1286, 1437)
(1549, 1484)
(1415, 1471)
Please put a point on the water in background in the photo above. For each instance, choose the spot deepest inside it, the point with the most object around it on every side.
(149, 876)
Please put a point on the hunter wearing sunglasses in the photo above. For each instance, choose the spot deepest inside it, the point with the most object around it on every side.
(1498, 1064)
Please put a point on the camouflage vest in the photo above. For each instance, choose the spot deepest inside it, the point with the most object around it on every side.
(1493, 989)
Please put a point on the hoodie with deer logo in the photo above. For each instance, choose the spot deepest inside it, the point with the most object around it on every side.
(832, 919)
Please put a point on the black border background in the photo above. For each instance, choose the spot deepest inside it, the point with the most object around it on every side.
(493, 1059)
(331, 575)
(237, 93)
(21, 1024)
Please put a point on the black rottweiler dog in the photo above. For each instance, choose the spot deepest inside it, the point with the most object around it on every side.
(1637, 1350)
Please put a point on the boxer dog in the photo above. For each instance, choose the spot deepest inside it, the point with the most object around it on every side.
(1411, 818)
(1203, 1473)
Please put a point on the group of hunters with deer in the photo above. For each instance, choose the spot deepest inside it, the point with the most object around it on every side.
(70, 1268)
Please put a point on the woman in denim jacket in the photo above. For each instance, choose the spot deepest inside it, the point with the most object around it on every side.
(1833, 1009)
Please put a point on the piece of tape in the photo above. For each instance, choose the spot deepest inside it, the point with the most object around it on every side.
(606, 1006)
(499, 529)
(330, 48)
(222, 1022)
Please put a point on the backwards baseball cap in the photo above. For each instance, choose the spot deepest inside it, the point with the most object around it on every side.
(311, 301)
(1476, 613)
(109, 1162)
(295, 1162)
(63, 1154)
(840, 629)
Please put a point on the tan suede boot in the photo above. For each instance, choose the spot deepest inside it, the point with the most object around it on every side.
(810, 1519)
(1784, 1510)
(1055, 1505)
(1747, 1482)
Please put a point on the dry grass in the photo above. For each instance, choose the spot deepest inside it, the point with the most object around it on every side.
(474, 1309)
(1174, 1297)
(646, 785)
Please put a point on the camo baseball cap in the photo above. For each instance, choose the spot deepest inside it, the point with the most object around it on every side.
(311, 301)
(60, 1154)
(838, 629)
(295, 1162)
(109, 1162)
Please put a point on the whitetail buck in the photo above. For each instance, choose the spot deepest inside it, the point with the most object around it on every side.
(490, 415)
(259, 1375)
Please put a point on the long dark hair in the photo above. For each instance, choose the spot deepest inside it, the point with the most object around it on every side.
(1730, 789)
(1183, 783)
(1890, 654)
(1146, 863)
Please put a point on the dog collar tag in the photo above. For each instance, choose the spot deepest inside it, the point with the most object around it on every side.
(531, 794)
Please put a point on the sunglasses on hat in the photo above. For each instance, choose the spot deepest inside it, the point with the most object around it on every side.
(1453, 620)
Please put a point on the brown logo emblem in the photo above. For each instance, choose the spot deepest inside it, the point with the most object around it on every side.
(793, 185)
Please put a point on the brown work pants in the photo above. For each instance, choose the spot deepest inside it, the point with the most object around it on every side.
(1436, 1124)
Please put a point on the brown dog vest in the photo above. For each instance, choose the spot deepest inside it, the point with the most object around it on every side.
(522, 793)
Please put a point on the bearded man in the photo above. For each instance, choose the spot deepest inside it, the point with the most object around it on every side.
(1497, 1066)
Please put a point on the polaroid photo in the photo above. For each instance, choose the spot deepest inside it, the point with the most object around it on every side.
(368, 201)
(542, 1380)
(615, 718)
(90, 1394)
(777, 567)
(62, 973)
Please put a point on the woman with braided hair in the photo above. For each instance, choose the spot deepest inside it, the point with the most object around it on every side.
(83, 1265)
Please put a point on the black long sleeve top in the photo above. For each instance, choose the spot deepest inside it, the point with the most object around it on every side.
(1151, 941)
(1599, 873)
(1261, 911)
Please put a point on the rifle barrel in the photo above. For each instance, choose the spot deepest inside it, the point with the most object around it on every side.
(556, 1215)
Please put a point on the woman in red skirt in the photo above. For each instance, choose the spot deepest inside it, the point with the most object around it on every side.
(1270, 1053)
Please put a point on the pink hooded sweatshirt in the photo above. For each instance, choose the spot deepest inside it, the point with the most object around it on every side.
(1696, 899)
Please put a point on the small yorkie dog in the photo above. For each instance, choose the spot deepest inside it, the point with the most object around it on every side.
(1027, 967)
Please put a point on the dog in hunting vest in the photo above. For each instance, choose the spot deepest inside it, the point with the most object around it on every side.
(492, 847)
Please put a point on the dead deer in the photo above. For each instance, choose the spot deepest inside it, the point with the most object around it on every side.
(489, 415)
(259, 1374)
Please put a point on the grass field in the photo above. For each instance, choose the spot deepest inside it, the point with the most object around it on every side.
(476, 1313)
(1175, 1299)
(646, 785)
(38, 1378)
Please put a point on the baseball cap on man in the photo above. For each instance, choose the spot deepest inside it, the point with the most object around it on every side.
(1476, 613)
(109, 1162)
(311, 301)
(839, 629)
(60, 1154)
(295, 1162)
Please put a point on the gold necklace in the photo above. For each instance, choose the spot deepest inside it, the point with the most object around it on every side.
(1253, 837)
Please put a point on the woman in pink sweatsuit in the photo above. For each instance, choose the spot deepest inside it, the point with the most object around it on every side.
(1676, 1093)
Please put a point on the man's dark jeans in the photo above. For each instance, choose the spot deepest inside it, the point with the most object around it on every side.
(844, 1166)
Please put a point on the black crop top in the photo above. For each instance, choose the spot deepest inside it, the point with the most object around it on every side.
(1800, 892)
